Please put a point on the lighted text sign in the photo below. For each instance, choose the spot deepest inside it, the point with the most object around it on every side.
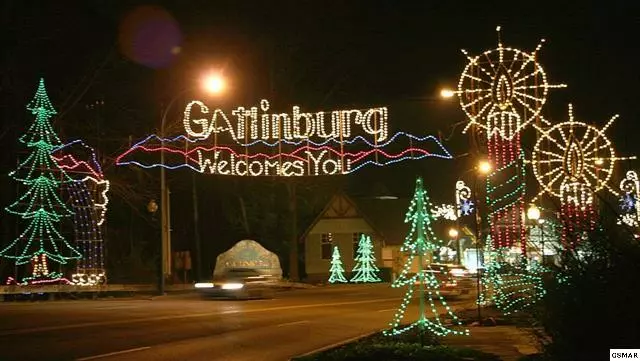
(255, 141)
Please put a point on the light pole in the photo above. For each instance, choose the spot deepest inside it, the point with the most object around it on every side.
(483, 168)
(533, 213)
(453, 235)
(213, 84)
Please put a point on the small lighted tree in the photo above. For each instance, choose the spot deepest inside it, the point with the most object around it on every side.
(417, 244)
(40, 207)
(365, 269)
(337, 271)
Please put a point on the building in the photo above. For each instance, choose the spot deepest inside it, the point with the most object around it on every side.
(344, 219)
(342, 222)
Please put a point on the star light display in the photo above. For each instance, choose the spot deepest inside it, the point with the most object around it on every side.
(365, 269)
(420, 241)
(88, 197)
(502, 91)
(336, 270)
(40, 207)
(254, 142)
(630, 193)
(572, 161)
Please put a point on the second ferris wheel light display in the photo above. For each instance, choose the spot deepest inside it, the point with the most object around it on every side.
(502, 91)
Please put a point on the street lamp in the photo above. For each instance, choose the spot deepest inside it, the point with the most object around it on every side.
(483, 167)
(453, 235)
(213, 84)
(533, 213)
(447, 93)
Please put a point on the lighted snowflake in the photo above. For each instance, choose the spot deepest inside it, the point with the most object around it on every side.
(466, 207)
(628, 203)
(503, 90)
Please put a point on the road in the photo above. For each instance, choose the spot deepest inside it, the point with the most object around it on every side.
(186, 327)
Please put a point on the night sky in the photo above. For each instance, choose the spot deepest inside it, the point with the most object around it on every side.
(319, 54)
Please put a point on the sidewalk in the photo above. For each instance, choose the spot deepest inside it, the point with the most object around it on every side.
(508, 342)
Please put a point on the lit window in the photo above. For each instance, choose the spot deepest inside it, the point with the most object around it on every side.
(327, 245)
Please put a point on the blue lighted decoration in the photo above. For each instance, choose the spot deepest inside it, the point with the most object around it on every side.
(466, 207)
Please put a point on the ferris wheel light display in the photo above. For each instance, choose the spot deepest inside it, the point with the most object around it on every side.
(572, 161)
(574, 156)
(503, 90)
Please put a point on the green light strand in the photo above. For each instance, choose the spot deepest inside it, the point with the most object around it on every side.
(365, 269)
(418, 243)
(336, 270)
(40, 206)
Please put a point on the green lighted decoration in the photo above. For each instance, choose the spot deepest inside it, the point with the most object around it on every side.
(421, 240)
(365, 269)
(337, 271)
(40, 207)
(514, 287)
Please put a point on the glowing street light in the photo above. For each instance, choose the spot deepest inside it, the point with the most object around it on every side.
(447, 93)
(453, 233)
(214, 84)
(484, 167)
(533, 213)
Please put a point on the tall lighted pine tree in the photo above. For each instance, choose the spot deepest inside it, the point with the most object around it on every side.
(40, 207)
(336, 271)
(417, 244)
(365, 269)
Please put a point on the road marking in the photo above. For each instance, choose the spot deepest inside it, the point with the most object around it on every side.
(388, 309)
(292, 323)
(176, 317)
(113, 353)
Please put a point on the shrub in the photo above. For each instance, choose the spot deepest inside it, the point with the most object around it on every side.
(591, 304)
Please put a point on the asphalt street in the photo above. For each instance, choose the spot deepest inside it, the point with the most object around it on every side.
(186, 327)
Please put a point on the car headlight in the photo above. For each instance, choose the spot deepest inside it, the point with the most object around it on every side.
(204, 285)
(232, 286)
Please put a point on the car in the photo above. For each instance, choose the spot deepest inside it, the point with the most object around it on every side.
(239, 283)
(455, 280)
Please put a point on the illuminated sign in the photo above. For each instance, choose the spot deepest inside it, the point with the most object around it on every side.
(256, 141)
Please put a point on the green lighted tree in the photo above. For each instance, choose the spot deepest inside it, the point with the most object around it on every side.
(421, 240)
(365, 269)
(337, 271)
(40, 206)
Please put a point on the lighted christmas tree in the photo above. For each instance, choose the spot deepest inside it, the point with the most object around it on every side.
(365, 269)
(417, 244)
(337, 271)
(40, 207)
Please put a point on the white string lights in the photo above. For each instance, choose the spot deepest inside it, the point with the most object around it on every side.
(572, 161)
(503, 90)
(251, 124)
(573, 158)
(630, 189)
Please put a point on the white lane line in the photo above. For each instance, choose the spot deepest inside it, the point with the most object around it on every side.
(183, 316)
(292, 323)
(113, 353)
(387, 310)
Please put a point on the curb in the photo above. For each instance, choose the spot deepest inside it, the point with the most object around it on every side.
(337, 344)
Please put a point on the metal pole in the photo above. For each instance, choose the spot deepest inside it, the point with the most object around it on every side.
(196, 229)
(163, 218)
(478, 237)
(542, 241)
